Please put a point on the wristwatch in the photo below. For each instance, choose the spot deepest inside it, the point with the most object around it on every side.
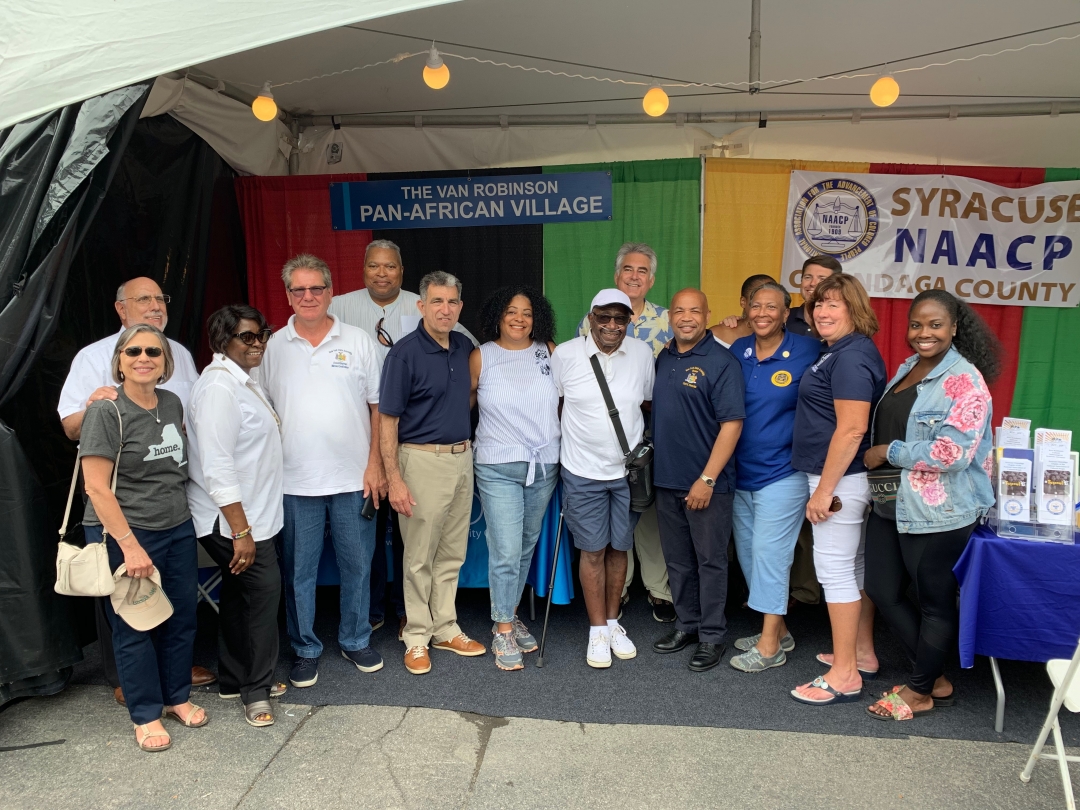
(709, 482)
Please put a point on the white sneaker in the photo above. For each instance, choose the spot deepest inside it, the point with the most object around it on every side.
(599, 655)
(621, 645)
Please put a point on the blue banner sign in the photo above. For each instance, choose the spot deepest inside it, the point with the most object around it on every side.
(458, 202)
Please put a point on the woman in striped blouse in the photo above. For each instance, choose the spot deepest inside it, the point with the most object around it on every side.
(516, 451)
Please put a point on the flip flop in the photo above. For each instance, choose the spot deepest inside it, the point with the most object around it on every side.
(147, 734)
(898, 709)
(187, 721)
(837, 697)
(867, 674)
(939, 703)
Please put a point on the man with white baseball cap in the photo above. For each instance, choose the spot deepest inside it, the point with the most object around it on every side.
(596, 496)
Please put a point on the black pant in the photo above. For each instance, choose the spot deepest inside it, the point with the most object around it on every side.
(893, 562)
(695, 544)
(378, 565)
(102, 608)
(248, 639)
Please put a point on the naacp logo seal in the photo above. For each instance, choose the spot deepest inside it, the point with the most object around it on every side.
(837, 217)
(781, 379)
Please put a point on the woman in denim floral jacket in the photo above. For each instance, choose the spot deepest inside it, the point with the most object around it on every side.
(933, 426)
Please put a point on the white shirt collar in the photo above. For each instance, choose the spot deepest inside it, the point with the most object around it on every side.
(222, 361)
(335, 328)
(591, 348)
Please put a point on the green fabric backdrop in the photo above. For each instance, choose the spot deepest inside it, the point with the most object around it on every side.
(653, 201)
(1048, 379)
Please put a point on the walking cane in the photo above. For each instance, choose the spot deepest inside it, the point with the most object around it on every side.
(551, 589)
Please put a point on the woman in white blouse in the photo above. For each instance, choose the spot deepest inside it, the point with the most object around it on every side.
(235, 492)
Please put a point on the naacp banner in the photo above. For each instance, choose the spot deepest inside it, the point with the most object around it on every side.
(459, 202)
(902, 234)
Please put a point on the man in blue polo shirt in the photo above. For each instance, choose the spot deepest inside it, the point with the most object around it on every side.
(424, 430)
(697, 415)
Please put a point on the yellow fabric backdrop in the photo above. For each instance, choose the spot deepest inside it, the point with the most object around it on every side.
(745, 222)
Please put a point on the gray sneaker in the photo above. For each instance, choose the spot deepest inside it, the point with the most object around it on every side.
(787, 643)
(507, 655)
(754, 661)
(525, 640)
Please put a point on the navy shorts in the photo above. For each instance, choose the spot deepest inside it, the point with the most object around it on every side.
(598, 512)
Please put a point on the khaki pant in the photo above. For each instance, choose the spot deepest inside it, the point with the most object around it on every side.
(651, 557)
(436, 538)
(804, 584)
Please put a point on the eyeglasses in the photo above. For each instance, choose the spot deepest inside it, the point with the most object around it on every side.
(618, 320)
(249, 338)
(145, 300)
(383, 335)
(135, 351)
(299, 292)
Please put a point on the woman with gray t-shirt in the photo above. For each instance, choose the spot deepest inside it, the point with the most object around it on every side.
(517, 451)
(149, 527)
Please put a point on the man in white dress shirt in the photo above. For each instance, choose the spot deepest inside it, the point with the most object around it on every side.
(596, 495)
(386, 312)
(139, 300)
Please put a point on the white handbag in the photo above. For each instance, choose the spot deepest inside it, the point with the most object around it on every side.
(85, 571)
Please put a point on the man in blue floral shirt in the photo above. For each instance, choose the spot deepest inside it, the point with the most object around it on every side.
(635, 274)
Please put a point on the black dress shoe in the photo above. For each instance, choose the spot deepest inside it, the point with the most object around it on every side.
(707, 656)
(674, 641)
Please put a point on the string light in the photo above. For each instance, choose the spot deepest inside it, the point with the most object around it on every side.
(263, 106)
(885, 91)
(655, 101)
(436, 73)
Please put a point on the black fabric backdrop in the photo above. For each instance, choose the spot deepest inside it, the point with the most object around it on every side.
(483, 258)
(169, 214)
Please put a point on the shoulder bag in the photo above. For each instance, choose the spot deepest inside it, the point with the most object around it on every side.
(85, 571)
(639, 461)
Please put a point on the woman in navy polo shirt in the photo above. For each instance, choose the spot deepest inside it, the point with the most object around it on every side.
(770, 494)
(831, 436)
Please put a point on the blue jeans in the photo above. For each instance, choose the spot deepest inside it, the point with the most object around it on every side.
(302, 545)
(154, 666)
(767, 524)
(514, 514)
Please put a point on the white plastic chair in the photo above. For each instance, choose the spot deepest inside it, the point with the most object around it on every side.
(206, 561)
(1067, 691)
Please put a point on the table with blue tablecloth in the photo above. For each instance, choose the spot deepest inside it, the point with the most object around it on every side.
(1019, 600)
(474, 572)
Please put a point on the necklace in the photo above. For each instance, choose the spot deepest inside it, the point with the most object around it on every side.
(156, 412)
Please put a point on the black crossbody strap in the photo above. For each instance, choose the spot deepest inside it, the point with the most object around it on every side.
(613, 412)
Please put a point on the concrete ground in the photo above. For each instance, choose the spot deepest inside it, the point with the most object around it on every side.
(76, 750)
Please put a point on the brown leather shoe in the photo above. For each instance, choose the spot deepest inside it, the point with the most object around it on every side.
(201, 676)
(404, 620)
(118, 696)
(462, 645)
(417, 660)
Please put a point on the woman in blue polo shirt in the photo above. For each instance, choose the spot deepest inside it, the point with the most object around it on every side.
(831, 436)
(770, 494)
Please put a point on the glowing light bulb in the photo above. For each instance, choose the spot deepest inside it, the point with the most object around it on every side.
(655, 101)
(885, 91)
(436, 74)
(263, 106)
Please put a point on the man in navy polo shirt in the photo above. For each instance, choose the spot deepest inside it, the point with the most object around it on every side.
(424, 430)
(697, 418)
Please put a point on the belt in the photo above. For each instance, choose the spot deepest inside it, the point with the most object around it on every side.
(453, 449)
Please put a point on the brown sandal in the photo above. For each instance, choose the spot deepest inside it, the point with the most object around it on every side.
(147, 734)
(186, 721)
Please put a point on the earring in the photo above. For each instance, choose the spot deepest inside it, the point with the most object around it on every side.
(121, 376)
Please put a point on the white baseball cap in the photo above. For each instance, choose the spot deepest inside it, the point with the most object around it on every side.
(611, 296)
(140, 602)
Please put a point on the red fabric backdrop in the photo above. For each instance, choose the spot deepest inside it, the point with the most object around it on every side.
(1005, 321)
(284, 216)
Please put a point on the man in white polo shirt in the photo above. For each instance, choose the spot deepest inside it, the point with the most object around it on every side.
(596, 496)
(323, 378)
(387, 313)
(139, 300)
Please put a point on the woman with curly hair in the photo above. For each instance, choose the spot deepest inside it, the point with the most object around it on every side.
(930, 443)
(517, 450)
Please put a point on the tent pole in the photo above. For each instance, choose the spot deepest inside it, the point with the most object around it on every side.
(755, 46)
(294, 155)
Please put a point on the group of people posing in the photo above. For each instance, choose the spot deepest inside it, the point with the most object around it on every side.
(357, 413)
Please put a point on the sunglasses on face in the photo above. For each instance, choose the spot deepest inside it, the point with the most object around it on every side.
(618, 320)
(249, 338)
(135, 351)
(299, 292)
(383, 335)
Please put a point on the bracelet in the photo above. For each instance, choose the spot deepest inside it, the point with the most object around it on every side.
(241, 534)
(118, 539)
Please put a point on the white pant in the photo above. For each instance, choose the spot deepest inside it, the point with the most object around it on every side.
(839, 541)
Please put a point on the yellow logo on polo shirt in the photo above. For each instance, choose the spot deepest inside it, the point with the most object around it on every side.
(692, 375)
(781, 379)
